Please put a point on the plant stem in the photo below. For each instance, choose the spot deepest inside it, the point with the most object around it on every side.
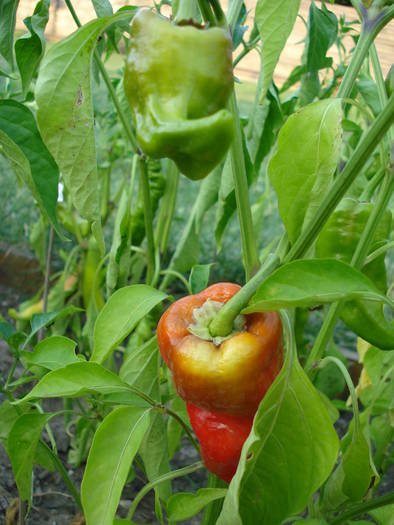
(63, 472)
(40, 334)
(167, 207)
(383, 249)
(352, 391)
(187, 10)
(144, 181)
(370, 29)
(248, 239)
(170, 475)
(126, 126)
(372, 184)
(354, 165)
(363, 508)
(183, 425)
(222, 324)
(357, 262)
(206, 12)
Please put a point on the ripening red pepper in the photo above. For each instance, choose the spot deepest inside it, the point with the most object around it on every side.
(222, 383)
(221, 438)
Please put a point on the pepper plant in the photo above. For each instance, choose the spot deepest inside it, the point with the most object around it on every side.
(228, 364)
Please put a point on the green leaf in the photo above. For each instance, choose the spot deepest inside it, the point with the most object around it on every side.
(383, 515)
(102, 8)
(7, 27)
(183, 505)
(141, 369)
(275, 20)
(76, 380)
(30, 48)
(120, 315)
(311, 282)
(65, 112)
(199, 277)
(22, 444)
(323, 29)
(8, 415)
(42, 175)
(302, 168)
(52, 353)
(114, 446)
(289, 453)
(39, 321)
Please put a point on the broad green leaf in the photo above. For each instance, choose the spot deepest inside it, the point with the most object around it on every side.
(275, 20)
(76, 380)
(141, 369)
(114, 446)
(65, 112)
(312, 282)
(7, 27)
(8, 415)
(52, 353)
(42, 177)
(22, 444)
(30, 48)
(199, 277)
(120, 315)
(323, 28)
(302, 168)
(174, 429)
(290, 451)
(183, 505)
(188, 247)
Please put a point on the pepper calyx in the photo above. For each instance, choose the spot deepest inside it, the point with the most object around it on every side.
(202, 318)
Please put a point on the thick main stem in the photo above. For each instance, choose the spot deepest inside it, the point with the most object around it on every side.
(363, 508)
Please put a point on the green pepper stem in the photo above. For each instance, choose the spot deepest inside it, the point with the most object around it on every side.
(170, 475)
(126, 126)
(144, 181)
(222, 324)
(248, 239)
(187, 10)
(354, 165)
(357, 262)
(369, 30)
(206, 12)
(363, 508)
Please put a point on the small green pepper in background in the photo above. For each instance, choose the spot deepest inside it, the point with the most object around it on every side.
(177, 81)
(338, 239)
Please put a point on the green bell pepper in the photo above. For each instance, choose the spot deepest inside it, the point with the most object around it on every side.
(178, 79)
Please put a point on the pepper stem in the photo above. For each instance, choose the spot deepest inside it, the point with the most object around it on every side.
(222, 324)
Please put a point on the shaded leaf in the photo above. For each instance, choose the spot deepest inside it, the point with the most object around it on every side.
(7, 27)
(42, 177)
(29, 48)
